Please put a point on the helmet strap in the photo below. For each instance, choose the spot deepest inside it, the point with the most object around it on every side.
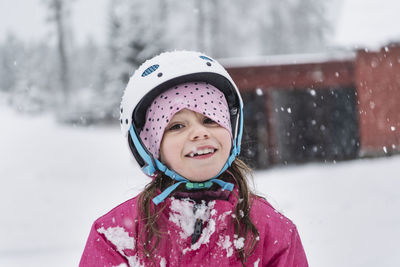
(189, 184)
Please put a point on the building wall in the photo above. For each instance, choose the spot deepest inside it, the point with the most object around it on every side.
(377, 76)
(369, 123)
(309, 75)
(300, 103)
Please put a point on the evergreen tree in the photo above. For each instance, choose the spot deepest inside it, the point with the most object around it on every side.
(59, 12)
(293, 26)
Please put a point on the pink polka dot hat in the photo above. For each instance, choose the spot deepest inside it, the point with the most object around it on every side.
(200, 97)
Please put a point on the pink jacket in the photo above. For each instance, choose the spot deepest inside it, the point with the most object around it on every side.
(112, 240)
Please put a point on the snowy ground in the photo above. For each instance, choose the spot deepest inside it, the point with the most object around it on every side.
(56, 180)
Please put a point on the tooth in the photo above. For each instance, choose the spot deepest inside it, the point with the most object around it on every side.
(191, 155)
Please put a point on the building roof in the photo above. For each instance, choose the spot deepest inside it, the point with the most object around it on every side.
(288, 59)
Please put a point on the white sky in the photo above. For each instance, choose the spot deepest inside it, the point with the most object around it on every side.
(357, 22)
(367, 23)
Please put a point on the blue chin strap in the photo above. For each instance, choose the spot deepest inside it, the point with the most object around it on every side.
(152, 165)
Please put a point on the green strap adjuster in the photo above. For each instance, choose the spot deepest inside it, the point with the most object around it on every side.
(191, 186)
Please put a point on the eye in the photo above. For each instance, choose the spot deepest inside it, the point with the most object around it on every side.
(175, 127)
(208, 121)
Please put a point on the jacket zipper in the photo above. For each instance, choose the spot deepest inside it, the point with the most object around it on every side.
(198, 227)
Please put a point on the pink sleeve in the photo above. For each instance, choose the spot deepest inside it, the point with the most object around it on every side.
(292, 255)
(100, 252)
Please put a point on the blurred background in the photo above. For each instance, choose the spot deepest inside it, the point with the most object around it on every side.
(321, 85)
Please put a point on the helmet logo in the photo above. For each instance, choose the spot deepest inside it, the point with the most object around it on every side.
(150, 70)
(206, 58)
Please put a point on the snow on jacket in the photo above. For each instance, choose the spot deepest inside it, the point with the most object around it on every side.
(112, 240)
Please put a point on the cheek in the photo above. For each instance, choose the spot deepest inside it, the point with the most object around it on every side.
(169, 149)
(225, 140)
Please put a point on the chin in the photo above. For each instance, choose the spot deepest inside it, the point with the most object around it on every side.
(202, 177)
(199, 180)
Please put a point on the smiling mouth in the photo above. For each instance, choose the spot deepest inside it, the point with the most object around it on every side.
(202, 153)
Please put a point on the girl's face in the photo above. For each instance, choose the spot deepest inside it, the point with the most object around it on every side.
(195, 146)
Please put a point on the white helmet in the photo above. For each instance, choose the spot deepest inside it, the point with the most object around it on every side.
(161, 73)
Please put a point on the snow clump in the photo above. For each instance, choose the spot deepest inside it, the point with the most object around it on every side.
(119, 237)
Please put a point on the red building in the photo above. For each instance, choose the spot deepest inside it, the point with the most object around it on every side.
(320, 107)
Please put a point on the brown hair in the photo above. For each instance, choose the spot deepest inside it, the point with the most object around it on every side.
(148, 213)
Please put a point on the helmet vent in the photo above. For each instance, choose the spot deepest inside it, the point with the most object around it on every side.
(206, 58)
(150, 70)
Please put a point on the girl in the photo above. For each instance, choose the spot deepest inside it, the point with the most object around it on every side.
(182, 115)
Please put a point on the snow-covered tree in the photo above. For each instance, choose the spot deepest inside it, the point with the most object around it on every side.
(311, 28)
(216, 37)
(9, 58)
(137, 31)
(27, 74)
(292, 26)
(58, 15)
(92, 83)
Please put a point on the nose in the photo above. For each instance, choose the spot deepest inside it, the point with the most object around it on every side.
(199, 132)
